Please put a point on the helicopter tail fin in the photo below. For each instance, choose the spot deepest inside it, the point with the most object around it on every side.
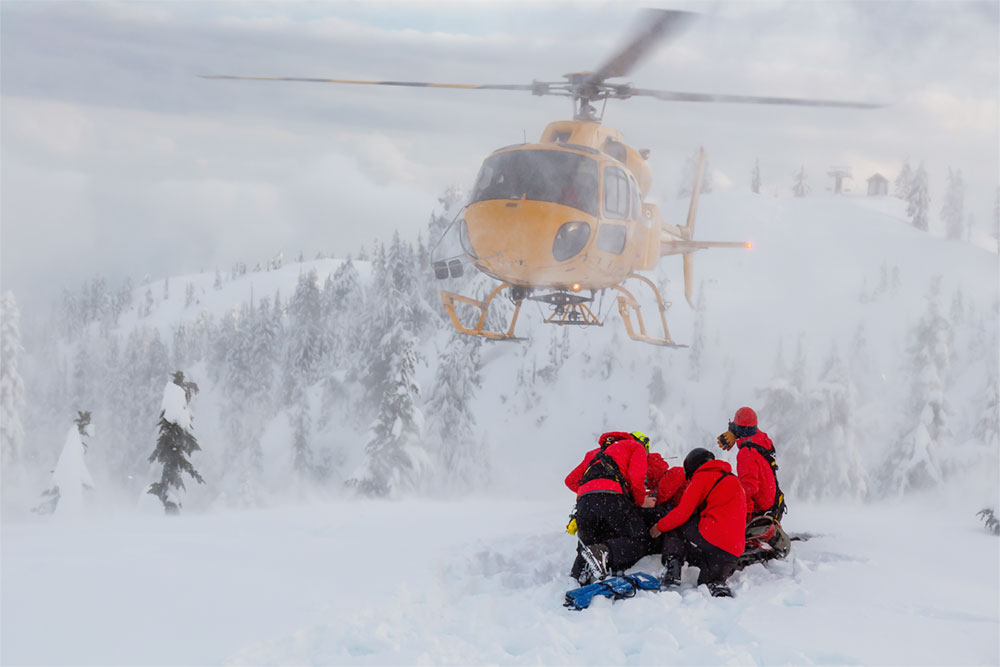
(688, 229)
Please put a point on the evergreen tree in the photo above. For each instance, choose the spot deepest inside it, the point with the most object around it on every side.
(343, 297)
(302, 456)
(451, 424)
(657, 387)
(695, 356)
(953, 208)
(901, 186)
(785, 411)
(919, 458)
(175, 443)
(800, 188)
(755, 177)
(918, 200)
(835, 469)
(11, 384)
(70, 478)
(308, 340)
(395, 460)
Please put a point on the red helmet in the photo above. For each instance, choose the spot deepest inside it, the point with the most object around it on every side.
(745, 417)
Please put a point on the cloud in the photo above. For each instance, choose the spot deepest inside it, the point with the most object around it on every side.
(109, 135)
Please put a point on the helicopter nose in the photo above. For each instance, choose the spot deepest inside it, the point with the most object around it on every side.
(571, 238)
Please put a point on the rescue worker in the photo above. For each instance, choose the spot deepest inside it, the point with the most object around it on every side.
(707, 528)
(665, 486)
(610, 487)
(755, 465)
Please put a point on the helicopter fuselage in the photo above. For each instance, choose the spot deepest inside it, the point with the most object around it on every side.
(565, 213)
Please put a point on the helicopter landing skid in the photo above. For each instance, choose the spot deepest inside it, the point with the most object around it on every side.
(627, 303)
(448, 299)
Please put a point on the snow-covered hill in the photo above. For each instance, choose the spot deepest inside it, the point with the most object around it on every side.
(868, 348)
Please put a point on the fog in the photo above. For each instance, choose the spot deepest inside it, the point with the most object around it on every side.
(117, 159)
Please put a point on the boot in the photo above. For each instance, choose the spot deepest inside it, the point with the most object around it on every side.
(719, 589)
(671, 573)
(580, 571)
(598, 562)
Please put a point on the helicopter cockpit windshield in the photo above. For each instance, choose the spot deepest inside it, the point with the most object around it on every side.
(555, 176)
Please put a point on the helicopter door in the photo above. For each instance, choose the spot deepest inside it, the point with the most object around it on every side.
(611, 236)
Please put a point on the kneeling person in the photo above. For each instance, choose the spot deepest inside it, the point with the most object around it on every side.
(610, 487)
(707, 528)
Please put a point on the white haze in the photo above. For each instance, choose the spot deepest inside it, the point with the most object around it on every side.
(111, 144)
(468, 563)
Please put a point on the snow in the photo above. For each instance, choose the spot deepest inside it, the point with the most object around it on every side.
(175, 406)
(71, 476)
(481, 582)
(334, 579)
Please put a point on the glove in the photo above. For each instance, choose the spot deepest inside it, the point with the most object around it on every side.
(571, 526)
(727, 440)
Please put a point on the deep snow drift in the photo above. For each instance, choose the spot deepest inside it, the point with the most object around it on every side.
(481, 582)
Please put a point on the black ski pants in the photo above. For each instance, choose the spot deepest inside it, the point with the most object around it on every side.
(614, 520)
(687, 543)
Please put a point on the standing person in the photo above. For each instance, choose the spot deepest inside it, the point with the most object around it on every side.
(610, 487)
(755, 465)
(706, 529)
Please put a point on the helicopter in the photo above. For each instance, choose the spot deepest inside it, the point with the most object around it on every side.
(565, 219)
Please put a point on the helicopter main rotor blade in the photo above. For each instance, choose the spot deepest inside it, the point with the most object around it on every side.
(412, 84)
(672, 96)
(658, 24)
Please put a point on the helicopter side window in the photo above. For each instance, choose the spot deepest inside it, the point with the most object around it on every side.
(637, 205)
(616, 193)
(611, 238)
(616, 150)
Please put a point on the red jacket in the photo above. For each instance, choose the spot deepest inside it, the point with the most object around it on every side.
(723, 519)
(755, 472)
(667, 483)
(631, 459)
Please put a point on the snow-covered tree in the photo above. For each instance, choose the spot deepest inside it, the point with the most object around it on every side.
(919, 458)
(11, 384)
(835, 468)
(302, 455)
(695, 355)
(451, 425)
(657, 386)
(953, 208)
(70, 478)
(901, 186)
(395, 460)
(175, 443)
(784, 415)
(309, 339)
(918, 200)
(755, 177)
(800, 187)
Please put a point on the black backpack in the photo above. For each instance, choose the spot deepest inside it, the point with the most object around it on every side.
(602, 466)
(778, 507)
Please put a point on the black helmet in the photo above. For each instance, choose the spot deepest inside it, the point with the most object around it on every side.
(695, 459)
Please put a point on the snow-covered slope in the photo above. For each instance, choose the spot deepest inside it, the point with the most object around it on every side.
(910, 579)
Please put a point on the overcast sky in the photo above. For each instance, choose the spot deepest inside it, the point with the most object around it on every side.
(115, 158)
